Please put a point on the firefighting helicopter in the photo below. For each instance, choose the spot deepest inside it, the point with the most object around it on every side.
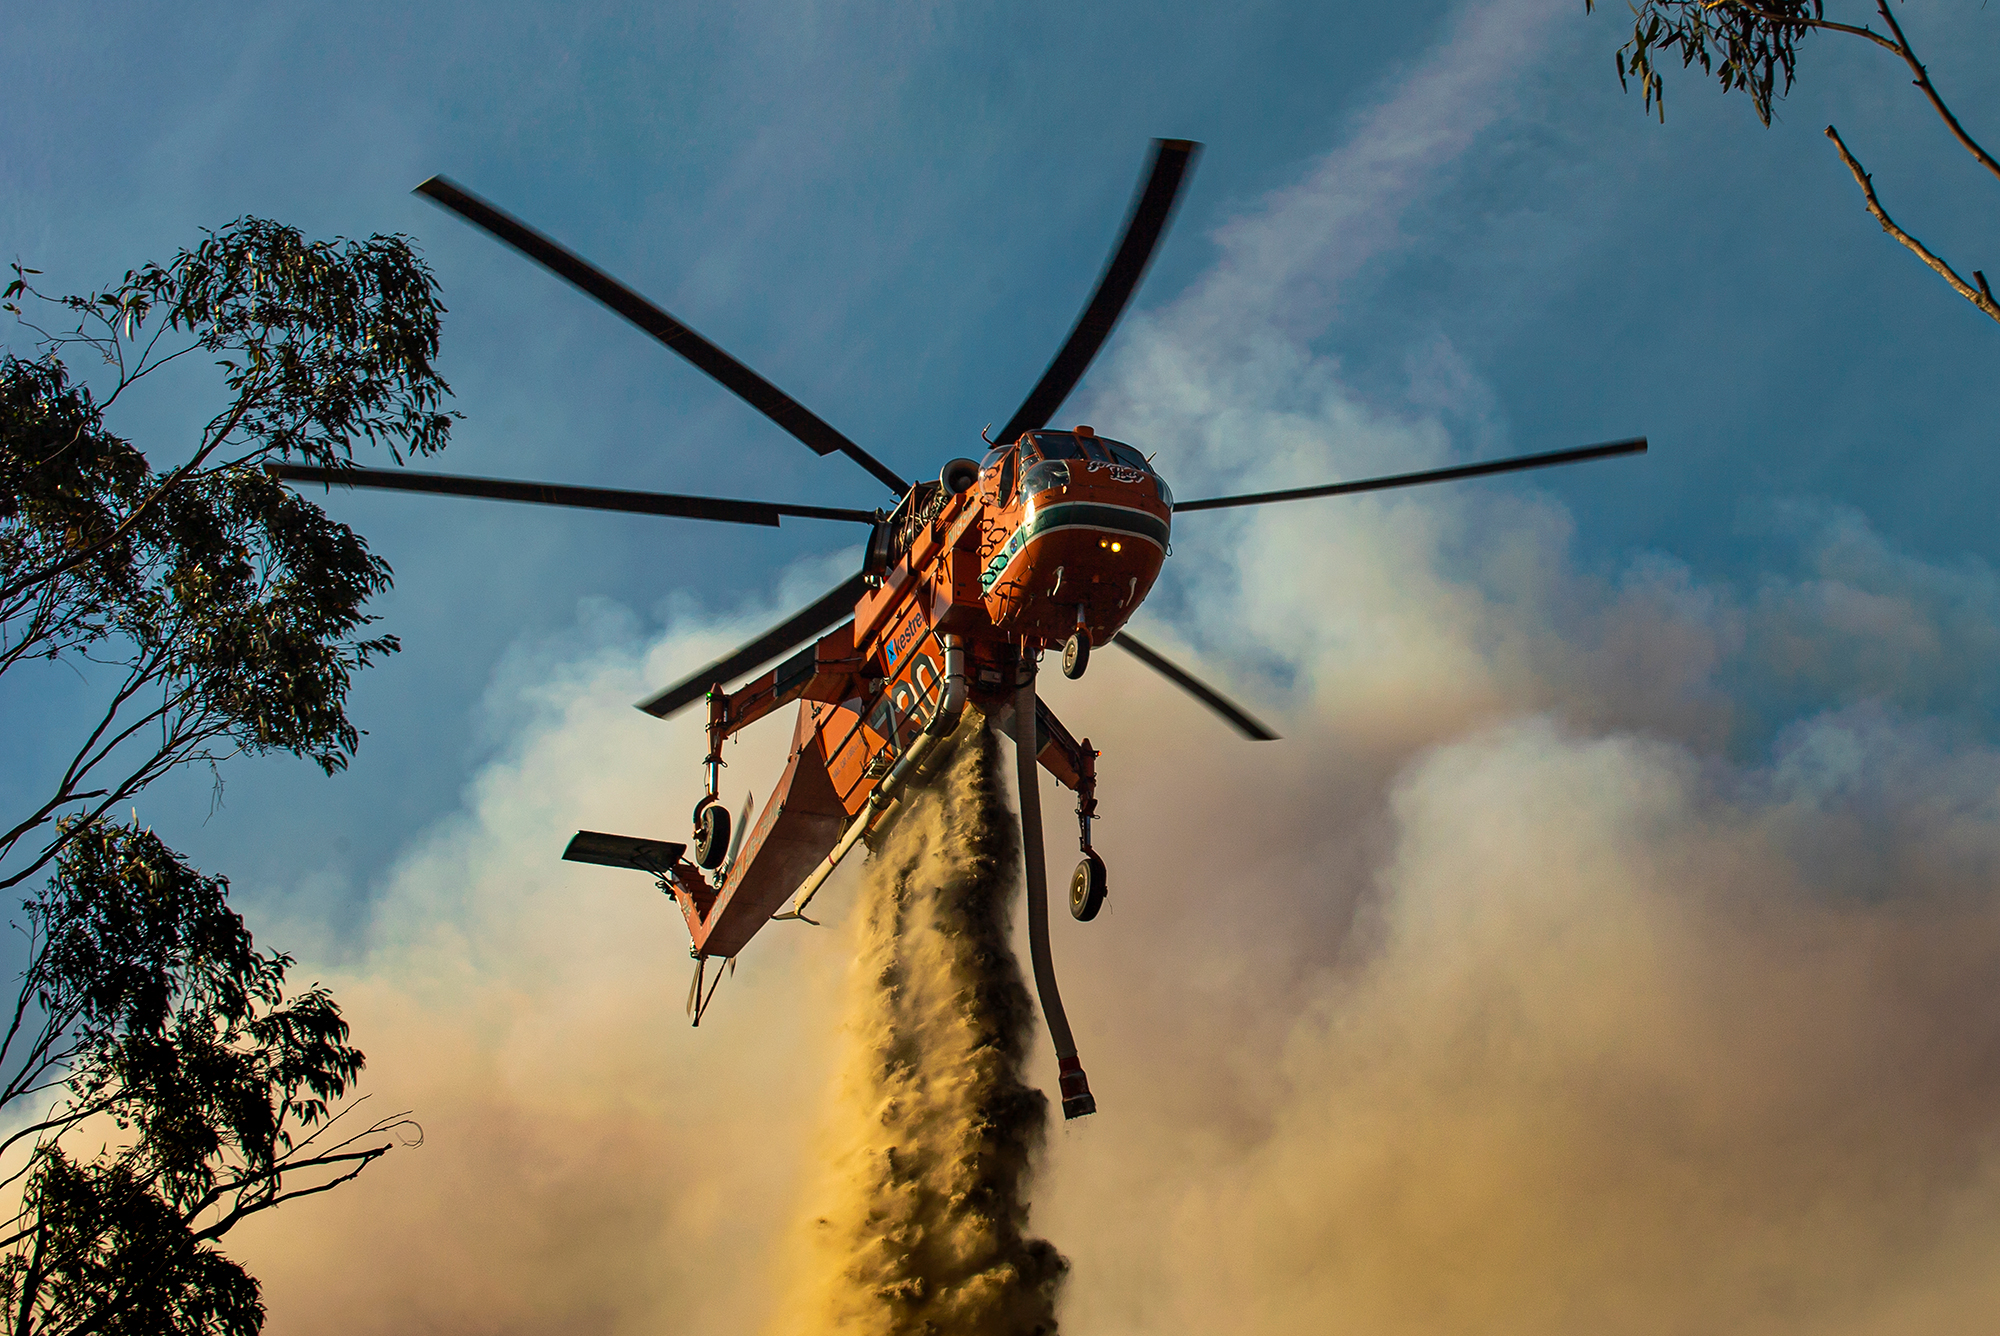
(1052, 539)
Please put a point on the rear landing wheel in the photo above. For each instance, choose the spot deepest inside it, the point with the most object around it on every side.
(1076, 655)
(711, 837)
(1086, 888)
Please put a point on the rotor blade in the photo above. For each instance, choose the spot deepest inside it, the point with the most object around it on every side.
(552, 494)
(834, 607)
(1200, 690)
(1172, 159)
(1635, 446)
(752, 388)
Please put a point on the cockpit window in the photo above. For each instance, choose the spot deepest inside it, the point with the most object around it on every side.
(1122, 453)
(1057, 445)
(1066, 446)
(1044, 475)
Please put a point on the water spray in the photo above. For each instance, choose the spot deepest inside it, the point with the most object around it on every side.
(919, 1221)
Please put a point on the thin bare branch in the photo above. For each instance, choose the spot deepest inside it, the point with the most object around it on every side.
(360, 1159)
(395, 1122)
(1924, 82)
(1982, 297)
(183, 738)
(21, 1001)
(69, 1117)
(146, 369)
(333, 1154)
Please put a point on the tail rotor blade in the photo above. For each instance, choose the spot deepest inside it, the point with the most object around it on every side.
(832, 608)
(1635, 446)
(1151, 211)
(1238, 719)
(740, 380)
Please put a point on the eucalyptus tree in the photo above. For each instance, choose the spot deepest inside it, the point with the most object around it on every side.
(198, 611)
(1752, 47)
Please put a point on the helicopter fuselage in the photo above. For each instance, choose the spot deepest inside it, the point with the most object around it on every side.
(1052, 535)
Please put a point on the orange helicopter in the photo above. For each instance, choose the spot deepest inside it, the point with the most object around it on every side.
(1053, 539)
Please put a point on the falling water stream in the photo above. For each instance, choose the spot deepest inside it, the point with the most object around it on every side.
(920, 1223)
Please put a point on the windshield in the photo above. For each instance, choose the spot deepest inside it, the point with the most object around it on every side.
(1064, 445)
(1122, 453)
(1057, 445)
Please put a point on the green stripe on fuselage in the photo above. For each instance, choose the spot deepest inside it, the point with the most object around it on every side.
(1073, 515)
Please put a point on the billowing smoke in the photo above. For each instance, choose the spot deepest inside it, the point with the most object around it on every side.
(918, 1224)
(1615, 1038)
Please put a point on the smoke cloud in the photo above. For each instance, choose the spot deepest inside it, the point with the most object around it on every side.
(1617, 1039)
(1600, 951)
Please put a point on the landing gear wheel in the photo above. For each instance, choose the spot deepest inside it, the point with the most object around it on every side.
(711, 837)
(1076, 655)
(1086, 889)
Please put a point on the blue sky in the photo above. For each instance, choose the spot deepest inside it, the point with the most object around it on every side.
(1418, 234)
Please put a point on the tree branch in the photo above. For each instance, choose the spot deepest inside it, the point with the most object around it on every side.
(1982, 297)
(37, 945)
(185, 734)
(1924, 82)
(31, 1285)
(67, 1118)
(360, 1159)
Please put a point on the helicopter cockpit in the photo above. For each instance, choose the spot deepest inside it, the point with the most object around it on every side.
(1042, 461)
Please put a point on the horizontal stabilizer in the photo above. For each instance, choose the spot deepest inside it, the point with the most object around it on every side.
(654, 856)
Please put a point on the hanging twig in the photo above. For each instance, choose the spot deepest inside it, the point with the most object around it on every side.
(1981, 296)
(1923, 81)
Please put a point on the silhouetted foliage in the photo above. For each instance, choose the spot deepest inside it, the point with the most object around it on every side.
(162, 1081)
(161, 1030)
(1747, 49)
(219, 611)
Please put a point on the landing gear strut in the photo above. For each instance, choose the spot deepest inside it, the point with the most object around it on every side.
(711, 818)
